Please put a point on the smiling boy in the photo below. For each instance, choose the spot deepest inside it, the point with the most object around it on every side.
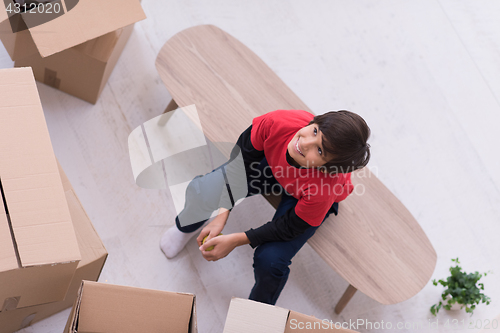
(310, 159)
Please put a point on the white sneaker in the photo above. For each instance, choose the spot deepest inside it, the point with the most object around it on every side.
(173, 241)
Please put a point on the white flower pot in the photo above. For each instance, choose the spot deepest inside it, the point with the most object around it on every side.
(455, 306)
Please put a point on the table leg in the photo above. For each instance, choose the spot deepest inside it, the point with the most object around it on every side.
(170, 107)
(345, 299)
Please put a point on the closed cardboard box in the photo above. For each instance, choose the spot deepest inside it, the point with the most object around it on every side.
(247, 316)
(38, 249)
(83, 70)
(117, 309)
(93, 253)
(77, 51)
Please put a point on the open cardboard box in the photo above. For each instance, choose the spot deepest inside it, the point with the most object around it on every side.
(94, 255)
(247, 316)
(38, 248)
(117, 309)
(77, 51)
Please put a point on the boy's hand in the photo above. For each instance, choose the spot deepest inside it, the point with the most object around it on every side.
(223, 245)
(213, 228)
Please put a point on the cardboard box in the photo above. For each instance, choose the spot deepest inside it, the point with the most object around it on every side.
(83, 70)
(38, 248)
(94, 255)
(246, 316)
(86, 20)
(75, 52)
(117, 309)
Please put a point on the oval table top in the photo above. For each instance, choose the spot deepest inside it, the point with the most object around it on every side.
(374, 243)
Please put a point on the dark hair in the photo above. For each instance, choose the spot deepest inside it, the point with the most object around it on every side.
(344, 140)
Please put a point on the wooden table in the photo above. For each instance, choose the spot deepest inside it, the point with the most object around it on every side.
(374, 243)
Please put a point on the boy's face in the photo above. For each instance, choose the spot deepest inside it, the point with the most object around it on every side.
(306, 147)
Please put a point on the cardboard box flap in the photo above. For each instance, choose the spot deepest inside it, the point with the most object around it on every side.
(64, 178)
(89, 19)
(8, 259)
(73, 317)
(90, 244)
(247, 316)
(111, 308)
(193, 326)
(32, 188)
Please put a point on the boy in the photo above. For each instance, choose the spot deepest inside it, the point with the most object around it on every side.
(310, 158)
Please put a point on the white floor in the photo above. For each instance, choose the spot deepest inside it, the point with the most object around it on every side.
(424, 74)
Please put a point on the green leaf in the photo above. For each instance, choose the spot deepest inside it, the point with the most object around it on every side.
(463, 287)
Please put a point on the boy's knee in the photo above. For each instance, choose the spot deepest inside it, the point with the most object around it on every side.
(271, 263)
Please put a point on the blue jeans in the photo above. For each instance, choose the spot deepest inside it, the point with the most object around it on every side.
(272, 259)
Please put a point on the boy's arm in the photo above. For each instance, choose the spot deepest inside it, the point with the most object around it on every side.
(347, 188)
(241, 239)
(248, 151)
(214, 227)
(284, 228)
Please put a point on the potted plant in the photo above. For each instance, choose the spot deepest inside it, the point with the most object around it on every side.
(462, 289)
